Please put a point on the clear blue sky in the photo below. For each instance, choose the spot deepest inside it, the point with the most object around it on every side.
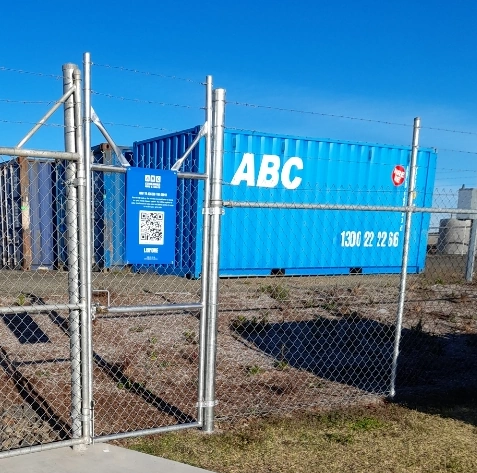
(388, 61)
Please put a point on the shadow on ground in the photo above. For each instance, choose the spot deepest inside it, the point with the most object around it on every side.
(25, 329)
(358, 352)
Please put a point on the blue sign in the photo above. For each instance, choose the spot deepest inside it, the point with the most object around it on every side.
(151, 198)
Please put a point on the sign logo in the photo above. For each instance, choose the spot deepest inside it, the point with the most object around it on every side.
(152, 181)
(398, 175)
(270, 171)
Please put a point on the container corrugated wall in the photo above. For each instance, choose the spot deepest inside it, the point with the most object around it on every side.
(109, 194)
(326, 172)
(271, 168)
(40, 214)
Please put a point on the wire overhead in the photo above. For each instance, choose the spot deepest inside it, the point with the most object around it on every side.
(149, 102)
(147, 73)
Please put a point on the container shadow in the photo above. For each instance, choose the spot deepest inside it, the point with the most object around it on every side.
(350, 350)
(358, 352)
(438, 375)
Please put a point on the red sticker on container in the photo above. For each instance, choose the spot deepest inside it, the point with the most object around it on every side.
(398, 175)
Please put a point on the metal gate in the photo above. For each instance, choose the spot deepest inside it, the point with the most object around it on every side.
(44, 335)
(154, 333)
(93, 356)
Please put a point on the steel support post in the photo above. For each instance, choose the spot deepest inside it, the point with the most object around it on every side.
(73, 256)
(204, 276)
(469, 268)
(88, 342)
(84, 267)
(215, 210)
(405, 254)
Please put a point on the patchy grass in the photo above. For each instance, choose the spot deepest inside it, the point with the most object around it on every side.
(378, 438)
(277, 292)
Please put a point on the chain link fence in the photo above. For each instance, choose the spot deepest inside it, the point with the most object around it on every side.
(40, 377)
(313, 305)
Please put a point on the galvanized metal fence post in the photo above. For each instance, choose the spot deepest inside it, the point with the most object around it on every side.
(84, 267)
(215, 210)
(469, 268)
(88, 401)
(205, 247)
(73, 255)
(405, 254)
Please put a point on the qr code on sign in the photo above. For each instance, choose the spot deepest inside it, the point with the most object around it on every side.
(151, 227)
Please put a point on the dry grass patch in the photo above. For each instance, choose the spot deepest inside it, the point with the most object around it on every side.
(377, 438)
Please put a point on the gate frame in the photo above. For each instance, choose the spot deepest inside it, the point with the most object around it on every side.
(213, 131)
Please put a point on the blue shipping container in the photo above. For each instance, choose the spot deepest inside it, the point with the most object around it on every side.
(26, 220)
(262, 167)
(109, 194)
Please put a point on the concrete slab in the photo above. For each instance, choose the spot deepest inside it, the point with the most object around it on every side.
(98, 458)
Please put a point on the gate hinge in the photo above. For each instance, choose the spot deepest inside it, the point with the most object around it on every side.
(213, 211)
(72, 183)
(207, 403)
(93, 311)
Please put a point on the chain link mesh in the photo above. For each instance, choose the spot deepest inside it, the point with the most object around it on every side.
(36, 373)
(145, 364)
(308, 297)
(438, 346)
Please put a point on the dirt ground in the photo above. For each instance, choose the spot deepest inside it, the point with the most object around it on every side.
(283, 343)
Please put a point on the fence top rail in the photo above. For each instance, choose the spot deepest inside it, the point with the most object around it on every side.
(122, 170)
(35, 153)
(369, 208)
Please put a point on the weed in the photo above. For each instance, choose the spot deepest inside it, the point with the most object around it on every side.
(309, 304)
(366, 424)
(356, 290)
(21, 299)
(153, 340)
(190, 337)
(330, 306)
(254, 370)
(260, 322)
(153, 355)
(129, 385)
(316, 384)
(137, 329)
(417, 308)
(238, 323)
(279, 293)
(243, 325)
(281, 365)
(418, 328)
(42, 373)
